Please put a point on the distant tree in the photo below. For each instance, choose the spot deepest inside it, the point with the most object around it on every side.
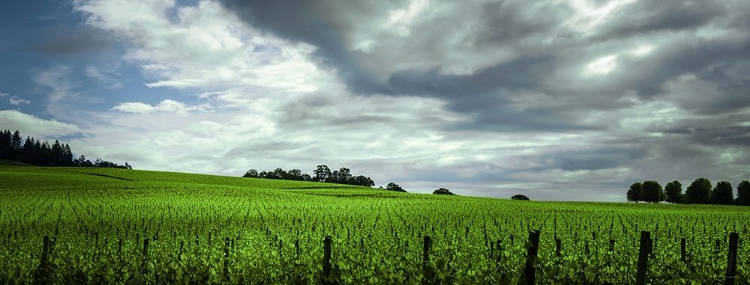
(15, 144)
(519, 197)
(36, 157)
(652, 192)
(699, 192)
(743, 193)
(634, 192)
(28, 153)
(322, 173)
(361, 180)
(442, 191)
(394, 187)
(344, 175)
(252, 173)
(68, 156)
(722, 194)
(673, 191)
(294, 174)
(280, 174)
(6, 151)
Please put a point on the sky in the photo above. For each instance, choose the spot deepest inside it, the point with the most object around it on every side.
(553, 99)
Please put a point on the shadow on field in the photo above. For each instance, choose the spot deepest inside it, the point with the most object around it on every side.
(108, 176)
(317, 187)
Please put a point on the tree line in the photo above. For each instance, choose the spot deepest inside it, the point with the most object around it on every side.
(321, 174)
(701, 191)
(42, 153)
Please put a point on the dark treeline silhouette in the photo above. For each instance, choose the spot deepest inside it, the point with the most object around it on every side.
(394, 187)
(43, 153)
(443, 191)
(699, 192)
(321, 174)
(520, 197)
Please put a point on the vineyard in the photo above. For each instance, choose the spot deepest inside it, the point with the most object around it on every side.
(115, 226)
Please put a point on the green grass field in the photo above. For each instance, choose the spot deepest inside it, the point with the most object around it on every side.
(218, 230)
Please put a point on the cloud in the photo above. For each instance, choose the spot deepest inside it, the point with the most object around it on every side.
(35, 126)
(72, 40)
(59, 88)
(14, 100)
(169, 106)
(577, 104)
(103, 76)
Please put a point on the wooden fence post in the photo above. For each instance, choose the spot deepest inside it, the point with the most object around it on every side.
(682, 249)
(427, 273)
(732, 259)
(531, 256)
(643, 258)
(45, 251)
(144, 264)
(327, 259)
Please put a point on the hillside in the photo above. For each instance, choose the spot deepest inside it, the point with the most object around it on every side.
(5, 162)
(137, 226)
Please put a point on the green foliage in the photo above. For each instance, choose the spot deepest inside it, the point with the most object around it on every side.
(673, 191)
(394, 187)
(722, 193)
(442, 191)
(699, 192)
(743, 193)
(634, 192)
(99, 218)
(652, 192)
(519, 197)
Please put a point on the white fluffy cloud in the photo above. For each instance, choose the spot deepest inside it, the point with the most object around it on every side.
(35, 126)
(168, 105)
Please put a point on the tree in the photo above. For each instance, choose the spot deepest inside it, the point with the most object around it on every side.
(634, 192)
(673, 191)
(28, 152)
(344, 175)
(699, 192)
(743, 193)
(651, 191)
(519, 197)
(394, 187)
(68, 156)
(322, 173)
(280, 173)
(361, 180)
(295, 174)
(15, 144)
(6, 151)
(723, 193)
(252, 173)
(443, 191)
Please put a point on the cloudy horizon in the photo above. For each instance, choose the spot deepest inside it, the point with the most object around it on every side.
(556, 100)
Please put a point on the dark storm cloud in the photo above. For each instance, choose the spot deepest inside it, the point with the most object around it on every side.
(484, 93)
(524, 72)
(66, 40)
(698, 65)
(649, 17)
(320, 23)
